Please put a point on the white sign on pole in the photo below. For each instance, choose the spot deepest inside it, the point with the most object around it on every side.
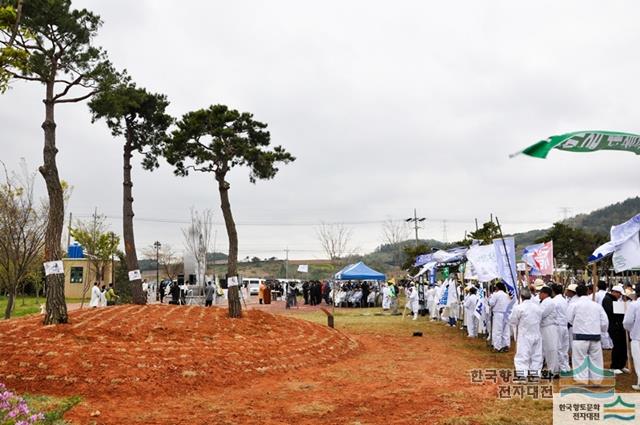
(232, 281)
(134, 275)
(53, 267)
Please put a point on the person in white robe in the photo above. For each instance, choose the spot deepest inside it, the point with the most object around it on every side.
(437, 294)
(429, 299)
(103, 297)
(95, 296)
(526, 318)
(561, 325)
(499, 303)
(413, 302)
(470, 304)
(385, 297)
(588, 320)
(549, 330)
(631, 323)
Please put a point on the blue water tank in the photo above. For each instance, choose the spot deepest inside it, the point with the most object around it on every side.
(75, 251)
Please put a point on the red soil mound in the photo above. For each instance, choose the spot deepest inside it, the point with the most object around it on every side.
(158, 348)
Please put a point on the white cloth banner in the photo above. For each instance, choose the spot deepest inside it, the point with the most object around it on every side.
(452, 295)
(53, 267)
(303, 268)
(134, 275)
(484, 262)
(619, 235)
(427, 267)
(627, 255)
(470, 272)
(232, 281)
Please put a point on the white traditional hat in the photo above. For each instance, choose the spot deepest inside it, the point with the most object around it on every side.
(629, 293)
(539, 283)
(572, 287)
(618, 288)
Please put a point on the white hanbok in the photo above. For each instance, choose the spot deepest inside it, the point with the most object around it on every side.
(525, 318)
(95, 296)
(386, 300)
(500, 334)
(103, 299)
(588, 321)
(470, 304)
(413, 303)
(549, 331)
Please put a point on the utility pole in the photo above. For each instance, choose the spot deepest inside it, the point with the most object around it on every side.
(157, 246)
(565, 212)
(415, 221)
(286, 264)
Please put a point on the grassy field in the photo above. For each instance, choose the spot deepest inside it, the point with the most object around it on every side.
(27, 305)
(498, 412)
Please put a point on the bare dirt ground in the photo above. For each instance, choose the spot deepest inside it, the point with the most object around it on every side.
(191, 365)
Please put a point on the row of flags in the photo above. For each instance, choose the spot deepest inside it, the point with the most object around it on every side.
(488, 262)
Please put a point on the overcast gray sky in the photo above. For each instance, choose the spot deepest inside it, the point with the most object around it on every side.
(387, 106)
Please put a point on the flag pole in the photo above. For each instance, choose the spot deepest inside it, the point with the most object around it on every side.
(594, 279)
(504, 245)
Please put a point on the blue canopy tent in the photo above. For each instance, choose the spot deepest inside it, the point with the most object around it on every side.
(359, 271)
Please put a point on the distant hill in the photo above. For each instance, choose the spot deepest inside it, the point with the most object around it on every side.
(600, 221)
(596, 222)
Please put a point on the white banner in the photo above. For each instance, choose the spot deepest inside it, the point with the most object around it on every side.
(53, 267)
(484, 262)
(620, 234)
(232, 281)
(134, 275)
(303, 268)
(627, 256)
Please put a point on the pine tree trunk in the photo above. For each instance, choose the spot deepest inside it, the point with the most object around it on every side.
(127, 225)
(235, 308)
(56, 307)
(10, 302)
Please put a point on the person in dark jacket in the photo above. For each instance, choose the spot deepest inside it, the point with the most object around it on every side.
(208, 295)
(616, 331)
(305, 292)
(175, 293)
(365, 294)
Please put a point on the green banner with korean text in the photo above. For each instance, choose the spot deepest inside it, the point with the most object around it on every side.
(586, 141)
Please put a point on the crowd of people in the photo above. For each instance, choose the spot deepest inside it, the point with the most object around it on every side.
(555, 328)
(102, 296)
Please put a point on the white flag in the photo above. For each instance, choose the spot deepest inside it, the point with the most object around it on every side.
(53, 267)
(303, 268)
(484, 261)
(627, 255)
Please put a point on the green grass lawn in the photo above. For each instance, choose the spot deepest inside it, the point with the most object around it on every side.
(27, 305)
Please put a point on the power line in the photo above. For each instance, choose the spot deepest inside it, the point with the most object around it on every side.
(565, 211)
(305, 224)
